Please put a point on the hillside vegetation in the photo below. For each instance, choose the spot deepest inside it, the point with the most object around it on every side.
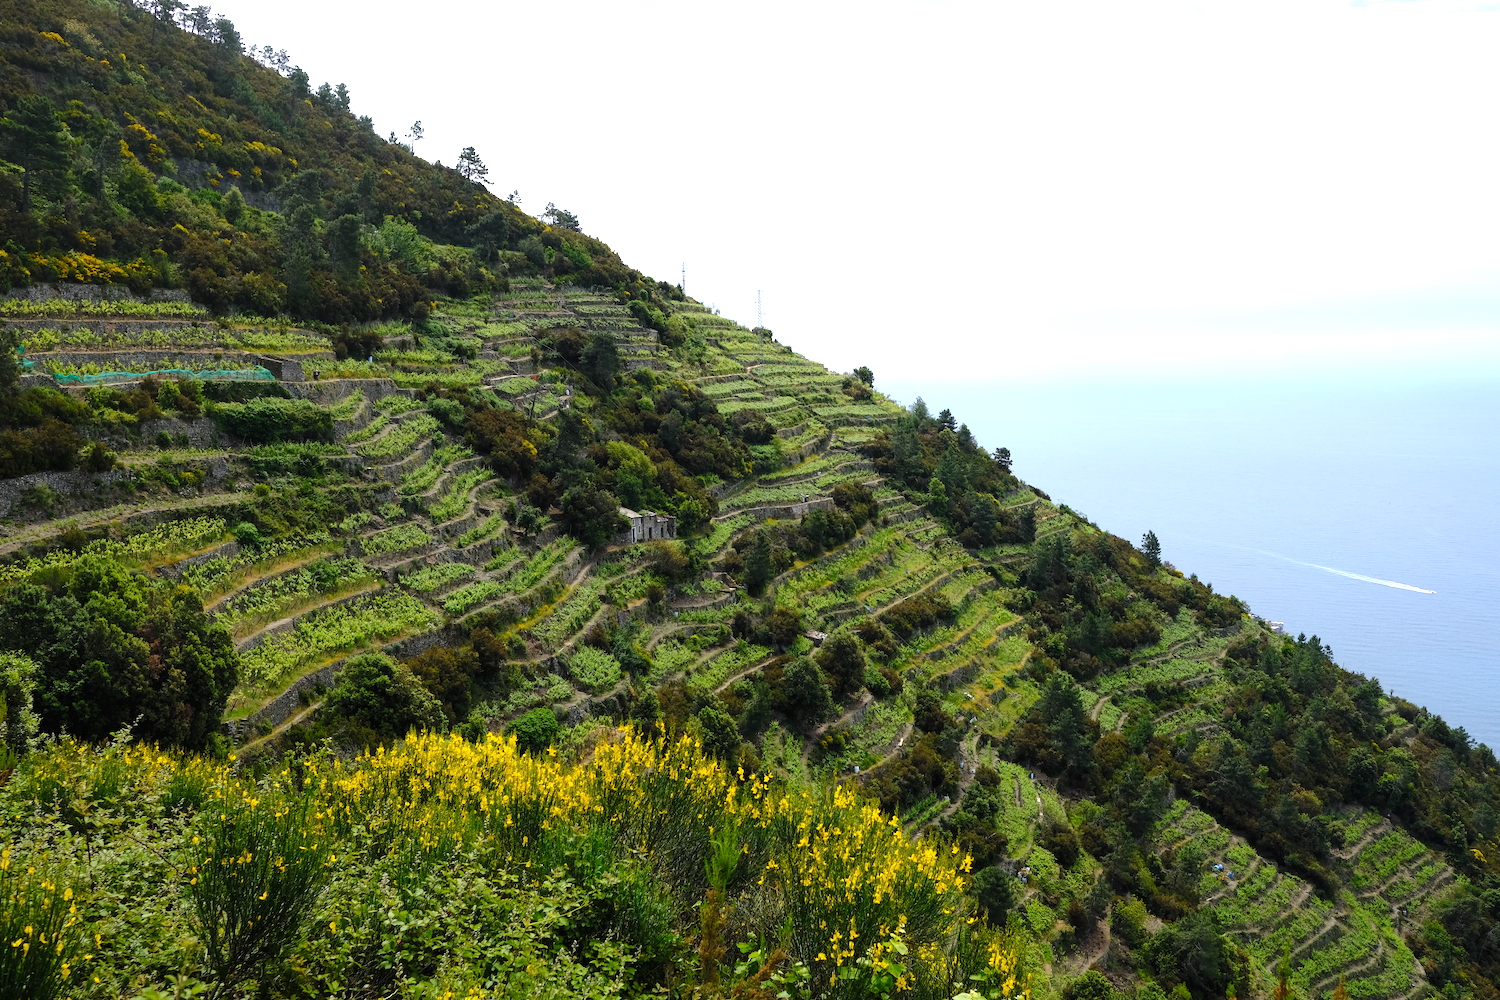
(328, 669)
(149, 157)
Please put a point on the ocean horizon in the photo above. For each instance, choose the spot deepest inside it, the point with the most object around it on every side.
(1365, 511)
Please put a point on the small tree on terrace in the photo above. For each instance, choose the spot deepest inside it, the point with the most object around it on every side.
(843, 660)
(383, 696)
(535, 730)
(805, 693)
(864, 374)
(591, 515)
(489, 233)
(600, 362)
(758, 564)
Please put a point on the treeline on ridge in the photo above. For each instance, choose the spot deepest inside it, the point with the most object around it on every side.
(149, 156)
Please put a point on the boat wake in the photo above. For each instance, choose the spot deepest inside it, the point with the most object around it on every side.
(1329, 569)
(1360, 576)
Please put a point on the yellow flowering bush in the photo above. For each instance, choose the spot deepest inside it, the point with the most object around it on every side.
(40, 936)
(441, 867)
(89, 270)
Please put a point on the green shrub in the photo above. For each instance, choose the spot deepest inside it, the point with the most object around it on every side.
(535, 730)
(377, 693)
(998, 893)
(270, 419)
(52, 447)
(242, 392)
(261, 871)
(448, 411)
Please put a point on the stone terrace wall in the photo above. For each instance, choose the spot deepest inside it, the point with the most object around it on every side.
(54, 291)
(14, 491)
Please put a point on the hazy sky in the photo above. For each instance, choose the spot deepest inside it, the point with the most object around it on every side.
(986, 191)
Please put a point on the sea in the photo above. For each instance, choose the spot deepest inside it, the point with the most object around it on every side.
(1364, 510)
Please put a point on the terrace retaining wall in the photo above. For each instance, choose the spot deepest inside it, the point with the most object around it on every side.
(55, 291)
(13, 492)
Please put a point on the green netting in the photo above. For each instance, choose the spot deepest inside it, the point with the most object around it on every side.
(256, 374)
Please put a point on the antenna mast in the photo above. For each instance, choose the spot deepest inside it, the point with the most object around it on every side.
(683, 285)
(758, 323)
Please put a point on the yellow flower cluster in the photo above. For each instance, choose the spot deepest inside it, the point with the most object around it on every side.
(851, 885)
(88, 269)
(39, 927)
(845, 870)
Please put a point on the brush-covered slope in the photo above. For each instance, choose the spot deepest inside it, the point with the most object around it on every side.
(413, 524)
(150, 157)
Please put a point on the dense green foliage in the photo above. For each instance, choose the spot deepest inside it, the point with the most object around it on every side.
(116, 649)
(157, 156)
(379, 699)
(269, 420)
(38, 431)
(1092, 598)
(637, 445)
(939, 456)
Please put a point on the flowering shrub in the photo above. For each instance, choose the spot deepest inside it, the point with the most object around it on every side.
(87, 269)
(442, 865)
(40, 936)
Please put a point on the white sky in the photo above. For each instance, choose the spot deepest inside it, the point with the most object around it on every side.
(986, 191)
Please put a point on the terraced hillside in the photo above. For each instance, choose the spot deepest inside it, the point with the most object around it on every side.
(314, 444)
(394, 526)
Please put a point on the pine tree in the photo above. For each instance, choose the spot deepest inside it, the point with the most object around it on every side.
(561, 218)
(34, 139)
(952, 469)
(472, 167)
(1151, 548)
